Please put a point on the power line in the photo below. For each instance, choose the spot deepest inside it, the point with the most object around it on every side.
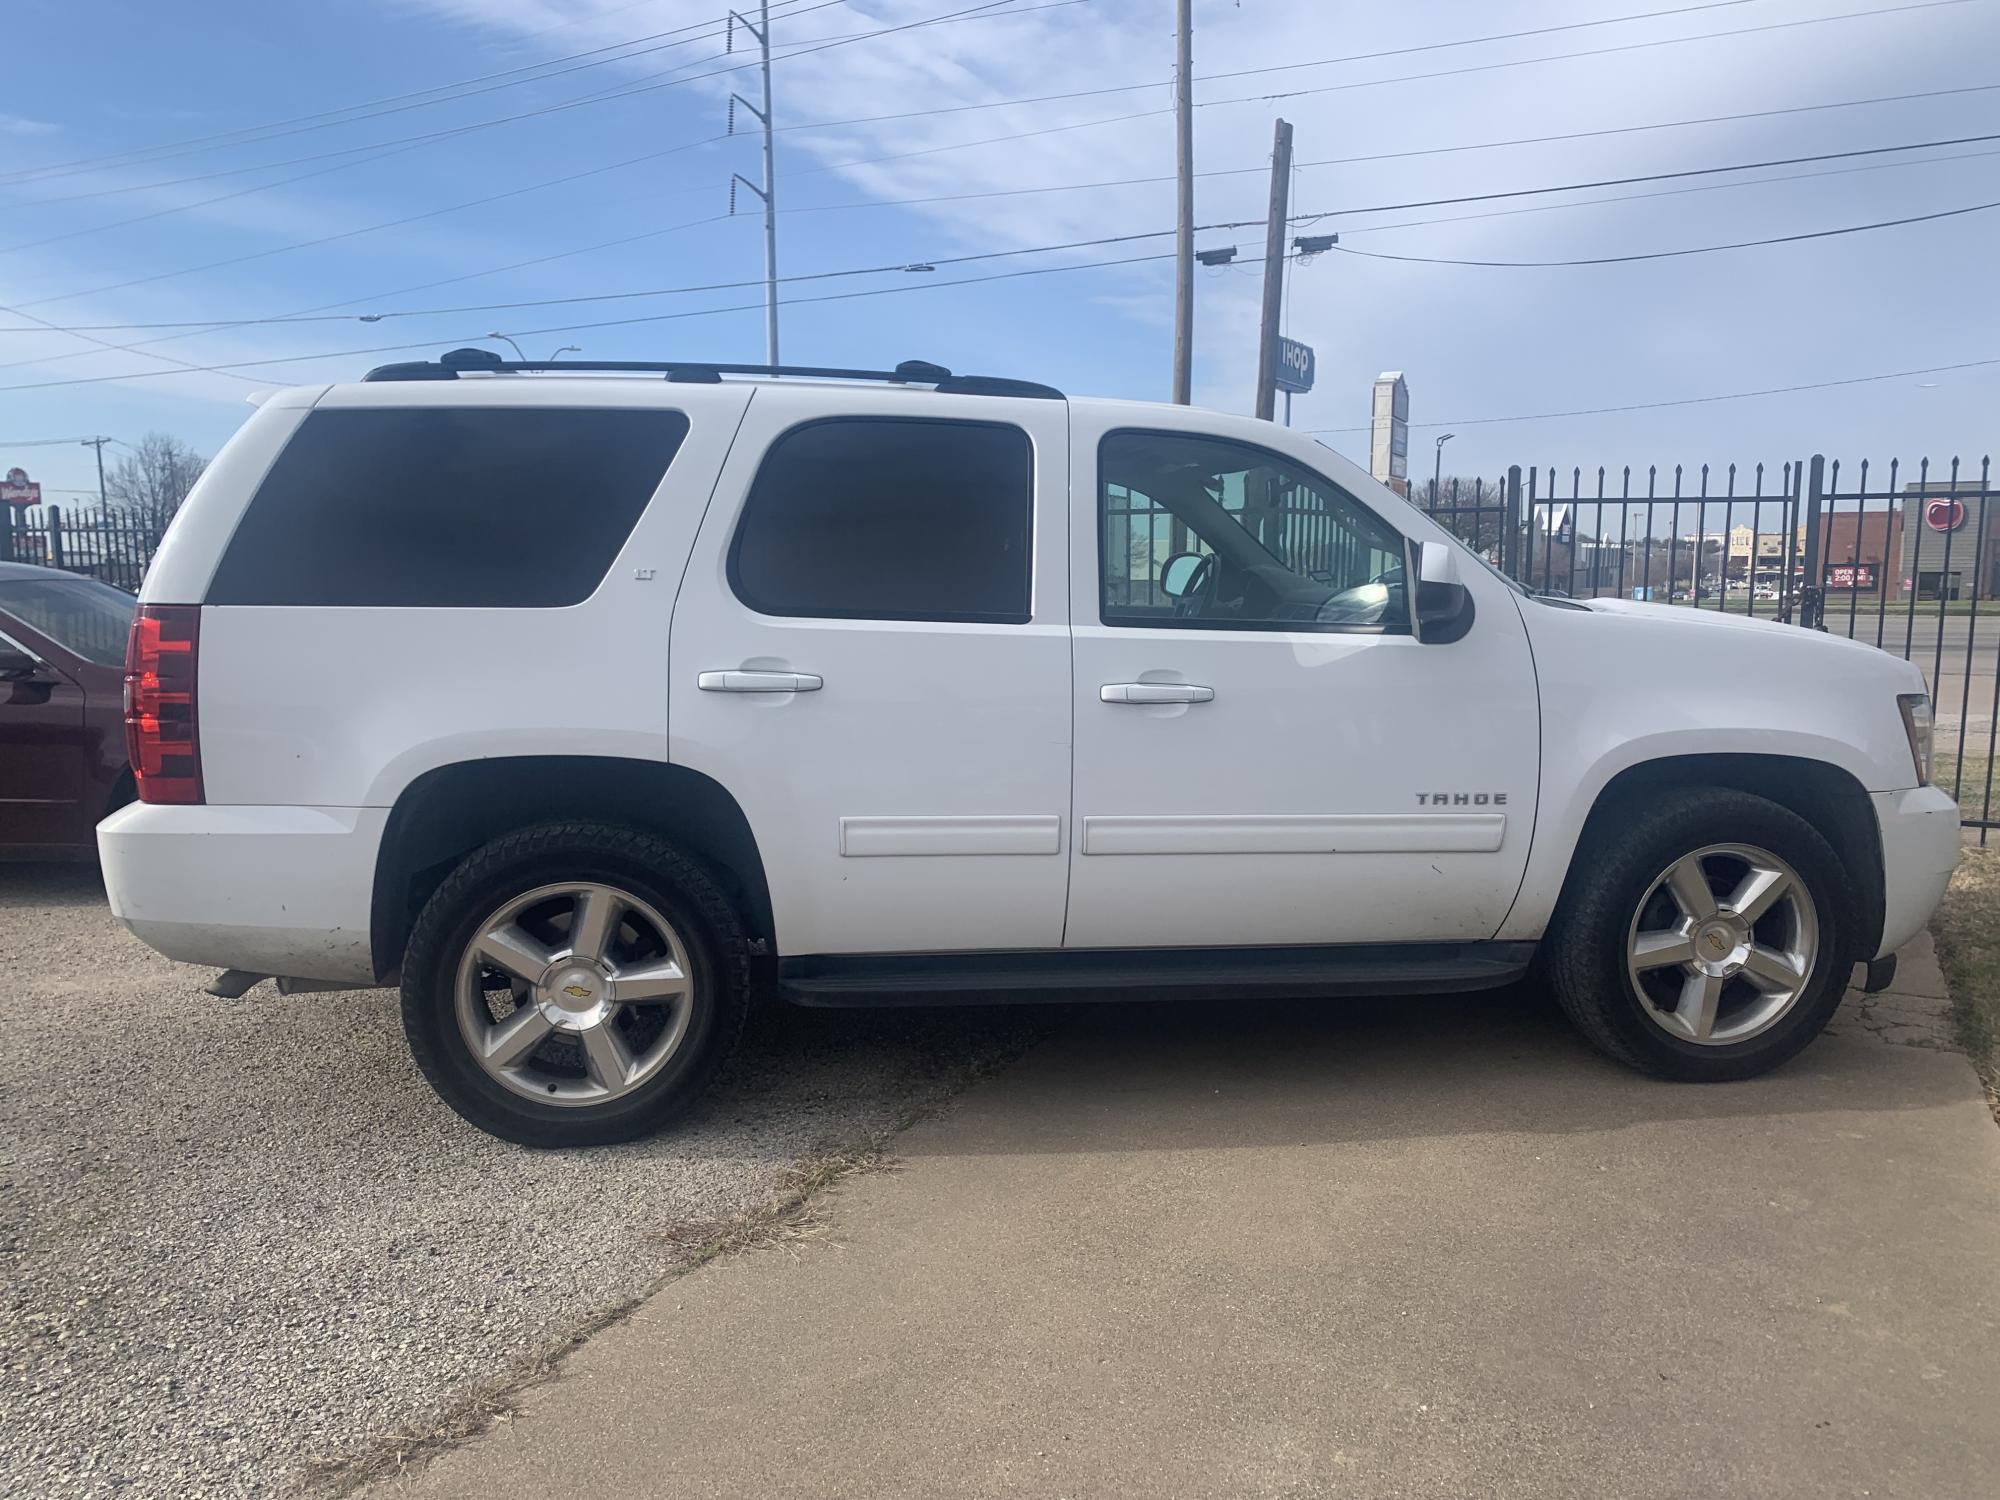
(1662, 42)
(1077, 94)
(219, 323)
(1602, 411)
(415, 141)
(383, 149)
(702, 312)
(214, 326)
(1613, 260)
(1049, 130)
(1367, 83)
(245, 135)
(986, 10)
(1706, 187)
(91, 338)
(51, 442)
(959, 260)
(1334, 161)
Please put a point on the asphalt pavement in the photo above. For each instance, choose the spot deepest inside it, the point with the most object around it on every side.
(1434, 1247)
(242, 1244)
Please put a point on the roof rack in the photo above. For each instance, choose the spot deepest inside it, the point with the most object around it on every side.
(909, 372)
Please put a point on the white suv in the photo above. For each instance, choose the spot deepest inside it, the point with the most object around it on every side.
(588, 705)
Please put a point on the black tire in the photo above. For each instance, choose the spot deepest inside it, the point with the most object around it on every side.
(651, 868)
(1616, 867)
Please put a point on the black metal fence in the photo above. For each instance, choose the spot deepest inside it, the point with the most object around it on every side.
(98, 542)
(1906, 559)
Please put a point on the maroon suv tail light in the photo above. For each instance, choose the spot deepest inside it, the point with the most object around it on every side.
(160, 733)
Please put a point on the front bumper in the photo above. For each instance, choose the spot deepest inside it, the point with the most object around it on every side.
(1920, 849)
(275, 890)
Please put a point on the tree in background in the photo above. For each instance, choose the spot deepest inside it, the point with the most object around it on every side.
(149, 483)
(1472, 509)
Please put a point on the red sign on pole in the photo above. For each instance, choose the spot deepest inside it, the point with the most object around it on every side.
(18, 489)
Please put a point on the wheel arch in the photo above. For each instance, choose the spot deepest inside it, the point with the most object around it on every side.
(449, 811)
(1826, 796)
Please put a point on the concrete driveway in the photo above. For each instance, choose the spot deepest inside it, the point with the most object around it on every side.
(1422, 1248)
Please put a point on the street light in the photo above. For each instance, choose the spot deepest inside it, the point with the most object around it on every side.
(566, 349)
(1437, 468)
(510, 344)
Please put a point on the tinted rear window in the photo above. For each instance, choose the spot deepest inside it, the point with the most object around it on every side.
(488, 507)
(886, 518)
(80, 614)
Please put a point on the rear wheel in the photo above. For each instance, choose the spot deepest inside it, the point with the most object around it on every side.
(574, 984)
(1703, 940)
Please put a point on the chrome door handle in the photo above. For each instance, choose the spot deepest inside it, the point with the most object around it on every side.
(759, 682)
(1155, 692)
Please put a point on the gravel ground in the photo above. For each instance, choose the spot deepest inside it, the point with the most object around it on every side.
(242, 1238)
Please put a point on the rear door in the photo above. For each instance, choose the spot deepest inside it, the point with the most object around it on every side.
(871, 651)
(1266, 754)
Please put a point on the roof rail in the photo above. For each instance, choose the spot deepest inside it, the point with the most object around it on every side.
(909, 372)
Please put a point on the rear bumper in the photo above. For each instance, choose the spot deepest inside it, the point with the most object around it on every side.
(276, 890)
(1920, 849)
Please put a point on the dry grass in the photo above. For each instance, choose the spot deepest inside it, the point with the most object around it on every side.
(1967, 926)
(1969, 776)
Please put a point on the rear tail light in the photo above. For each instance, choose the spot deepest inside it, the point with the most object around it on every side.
(161, 738)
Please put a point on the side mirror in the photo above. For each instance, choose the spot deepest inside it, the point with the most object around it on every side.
(16, 665)
(1443, 603)
(1178, 571)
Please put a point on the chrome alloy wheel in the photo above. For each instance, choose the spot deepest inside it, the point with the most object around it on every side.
(574, 994)
(1723, 945)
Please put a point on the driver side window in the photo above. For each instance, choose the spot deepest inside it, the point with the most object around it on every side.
(1203, 533)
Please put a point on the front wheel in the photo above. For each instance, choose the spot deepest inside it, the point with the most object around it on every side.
(574, 984)
(1704, 940)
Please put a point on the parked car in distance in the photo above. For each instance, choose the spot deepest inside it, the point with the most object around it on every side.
(62, 717)
(584, 706)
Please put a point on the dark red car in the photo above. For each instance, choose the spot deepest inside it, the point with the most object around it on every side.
(62, 712)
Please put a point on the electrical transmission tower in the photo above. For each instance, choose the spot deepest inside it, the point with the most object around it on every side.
(769, 191)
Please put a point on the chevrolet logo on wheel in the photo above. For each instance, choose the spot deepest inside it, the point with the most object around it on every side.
(576, 992)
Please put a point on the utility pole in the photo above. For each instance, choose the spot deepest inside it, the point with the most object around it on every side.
(1184, 222)
(1274, 272)
(769, 191)
(98, 443)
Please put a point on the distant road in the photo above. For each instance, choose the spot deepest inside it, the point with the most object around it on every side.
(1968, 642)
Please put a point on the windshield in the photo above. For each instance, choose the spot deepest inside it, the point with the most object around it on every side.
(78, 614)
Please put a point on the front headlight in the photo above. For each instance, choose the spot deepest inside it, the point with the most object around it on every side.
(1916, 709)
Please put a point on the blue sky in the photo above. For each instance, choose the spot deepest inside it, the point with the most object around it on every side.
(110, 106)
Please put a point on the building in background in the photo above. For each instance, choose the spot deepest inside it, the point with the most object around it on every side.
(1856, 551)
(1758, 559)
(1949, 545)
(1389, 432)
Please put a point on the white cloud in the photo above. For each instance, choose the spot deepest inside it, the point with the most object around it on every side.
(1475, 342)
(21, 125)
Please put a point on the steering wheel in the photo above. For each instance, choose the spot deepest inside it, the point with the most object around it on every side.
(1194, 598)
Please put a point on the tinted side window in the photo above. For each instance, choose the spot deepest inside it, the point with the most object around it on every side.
(889, 519)
(1204, 533)
(488, 507)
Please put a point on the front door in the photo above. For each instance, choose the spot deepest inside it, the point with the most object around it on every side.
(1266, 754)
(871, 652)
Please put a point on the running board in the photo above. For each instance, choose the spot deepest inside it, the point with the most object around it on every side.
(1053, 976)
